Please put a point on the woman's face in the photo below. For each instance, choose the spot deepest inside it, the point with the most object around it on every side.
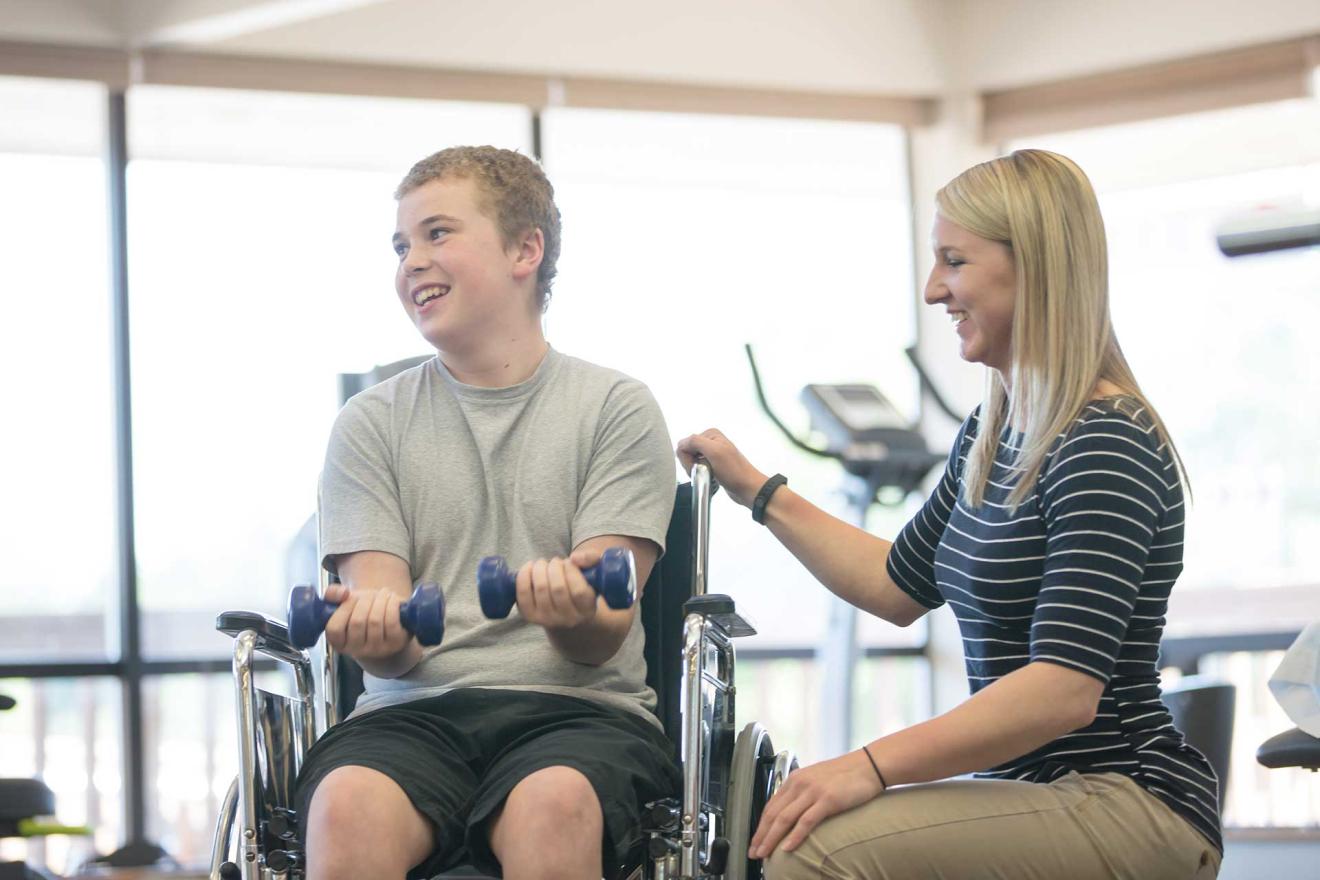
(975, 281)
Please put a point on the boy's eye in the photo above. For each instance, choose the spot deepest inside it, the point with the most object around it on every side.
(437, 232)
(400, 248)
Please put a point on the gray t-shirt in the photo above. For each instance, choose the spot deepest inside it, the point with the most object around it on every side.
(441, 474)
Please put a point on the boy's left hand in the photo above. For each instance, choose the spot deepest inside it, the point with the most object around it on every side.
(553, 592)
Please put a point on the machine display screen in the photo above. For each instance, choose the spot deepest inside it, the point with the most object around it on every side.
(860, 407)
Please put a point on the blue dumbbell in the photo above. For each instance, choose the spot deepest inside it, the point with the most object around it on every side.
(612, 578)
(423, 615)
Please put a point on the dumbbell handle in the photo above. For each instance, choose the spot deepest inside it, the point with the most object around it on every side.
(423, 615)
(614, 578)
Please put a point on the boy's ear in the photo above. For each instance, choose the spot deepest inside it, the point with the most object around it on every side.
(529, 250)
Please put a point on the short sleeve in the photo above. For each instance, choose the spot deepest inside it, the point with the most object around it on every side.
(359, 504)
(629, 486)
(1103, 497)
(911, 560)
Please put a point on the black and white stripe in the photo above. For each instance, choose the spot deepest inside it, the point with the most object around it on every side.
(1079, 575)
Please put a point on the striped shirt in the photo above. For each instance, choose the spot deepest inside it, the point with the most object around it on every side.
(1079, 575)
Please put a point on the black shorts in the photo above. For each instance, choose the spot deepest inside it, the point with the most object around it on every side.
(479, 743)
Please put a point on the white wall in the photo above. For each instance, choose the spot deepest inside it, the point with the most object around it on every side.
(900, 47)
(56, 21)
(1015, 42)
(838, 45)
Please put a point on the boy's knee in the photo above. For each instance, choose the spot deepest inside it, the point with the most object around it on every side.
(356, 798)
(344, 790)
(353, 805)
(559, 796)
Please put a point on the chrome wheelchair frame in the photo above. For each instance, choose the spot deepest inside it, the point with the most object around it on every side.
(700, 834)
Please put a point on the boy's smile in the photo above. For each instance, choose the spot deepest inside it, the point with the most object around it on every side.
(426, 294)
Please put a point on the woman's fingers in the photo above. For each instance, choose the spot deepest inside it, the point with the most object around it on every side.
(774, 826)
(806, 823)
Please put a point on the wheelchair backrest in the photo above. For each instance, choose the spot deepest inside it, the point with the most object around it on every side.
(667, 588)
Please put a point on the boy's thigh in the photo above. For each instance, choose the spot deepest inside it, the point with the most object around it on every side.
(1079, 827)
(626, 759)
(417, 751)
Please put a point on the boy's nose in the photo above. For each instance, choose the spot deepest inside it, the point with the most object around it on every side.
(415, 262)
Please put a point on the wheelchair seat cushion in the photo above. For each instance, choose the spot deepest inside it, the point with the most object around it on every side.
(478, 744)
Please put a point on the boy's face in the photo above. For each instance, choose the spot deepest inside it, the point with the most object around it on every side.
(456, 279)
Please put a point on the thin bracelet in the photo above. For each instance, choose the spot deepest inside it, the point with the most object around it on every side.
(884, 786)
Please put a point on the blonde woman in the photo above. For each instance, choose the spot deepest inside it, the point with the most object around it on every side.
(1055, 535)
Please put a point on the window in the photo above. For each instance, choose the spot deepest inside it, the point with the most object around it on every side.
(192, 756)
(685, 236)
(1258, 796)
(1222, 346)
(57, 449)
(261, 268)
(1224, 349)
(67, 732)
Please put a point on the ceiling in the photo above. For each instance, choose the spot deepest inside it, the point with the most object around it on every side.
(896, 47)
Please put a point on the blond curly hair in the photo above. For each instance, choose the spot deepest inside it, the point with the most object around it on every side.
(514, 192)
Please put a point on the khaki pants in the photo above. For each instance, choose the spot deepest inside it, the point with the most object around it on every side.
(1077, 828)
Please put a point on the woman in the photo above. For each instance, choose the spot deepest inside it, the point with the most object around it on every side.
(1055, 535)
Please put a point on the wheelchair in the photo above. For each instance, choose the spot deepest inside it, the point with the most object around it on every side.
(700, 832)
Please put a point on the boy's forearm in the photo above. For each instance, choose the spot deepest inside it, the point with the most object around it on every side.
(596, 641)
(398, 665)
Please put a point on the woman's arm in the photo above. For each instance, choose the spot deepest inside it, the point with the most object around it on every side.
(850, 562)
(1012, 717)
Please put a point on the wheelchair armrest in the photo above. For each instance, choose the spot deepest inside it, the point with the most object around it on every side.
(720, 609)
(272, 635)
(1292, 748)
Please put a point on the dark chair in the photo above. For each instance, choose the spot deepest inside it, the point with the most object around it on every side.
(1202, 709)
(21, 801)
(1292, 748)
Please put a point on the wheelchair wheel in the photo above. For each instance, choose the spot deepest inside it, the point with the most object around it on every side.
(755, 775)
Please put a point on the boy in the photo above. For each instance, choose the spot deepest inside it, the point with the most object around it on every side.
(524, 745)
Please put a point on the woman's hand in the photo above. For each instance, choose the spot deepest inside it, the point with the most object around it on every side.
(810, 796)
(734, 472)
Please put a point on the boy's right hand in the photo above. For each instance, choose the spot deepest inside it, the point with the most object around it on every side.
(366, 624)
(729, 467)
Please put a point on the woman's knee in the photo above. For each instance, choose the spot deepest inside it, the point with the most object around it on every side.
(793, 865)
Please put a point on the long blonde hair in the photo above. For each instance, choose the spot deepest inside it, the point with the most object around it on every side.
(1041, 205)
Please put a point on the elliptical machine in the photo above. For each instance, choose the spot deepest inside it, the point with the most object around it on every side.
(884, 458)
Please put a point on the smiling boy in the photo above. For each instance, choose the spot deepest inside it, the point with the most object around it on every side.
(525, 745)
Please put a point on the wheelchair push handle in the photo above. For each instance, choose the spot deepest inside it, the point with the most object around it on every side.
(613, 578)
(423, 615)
(703, 487)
